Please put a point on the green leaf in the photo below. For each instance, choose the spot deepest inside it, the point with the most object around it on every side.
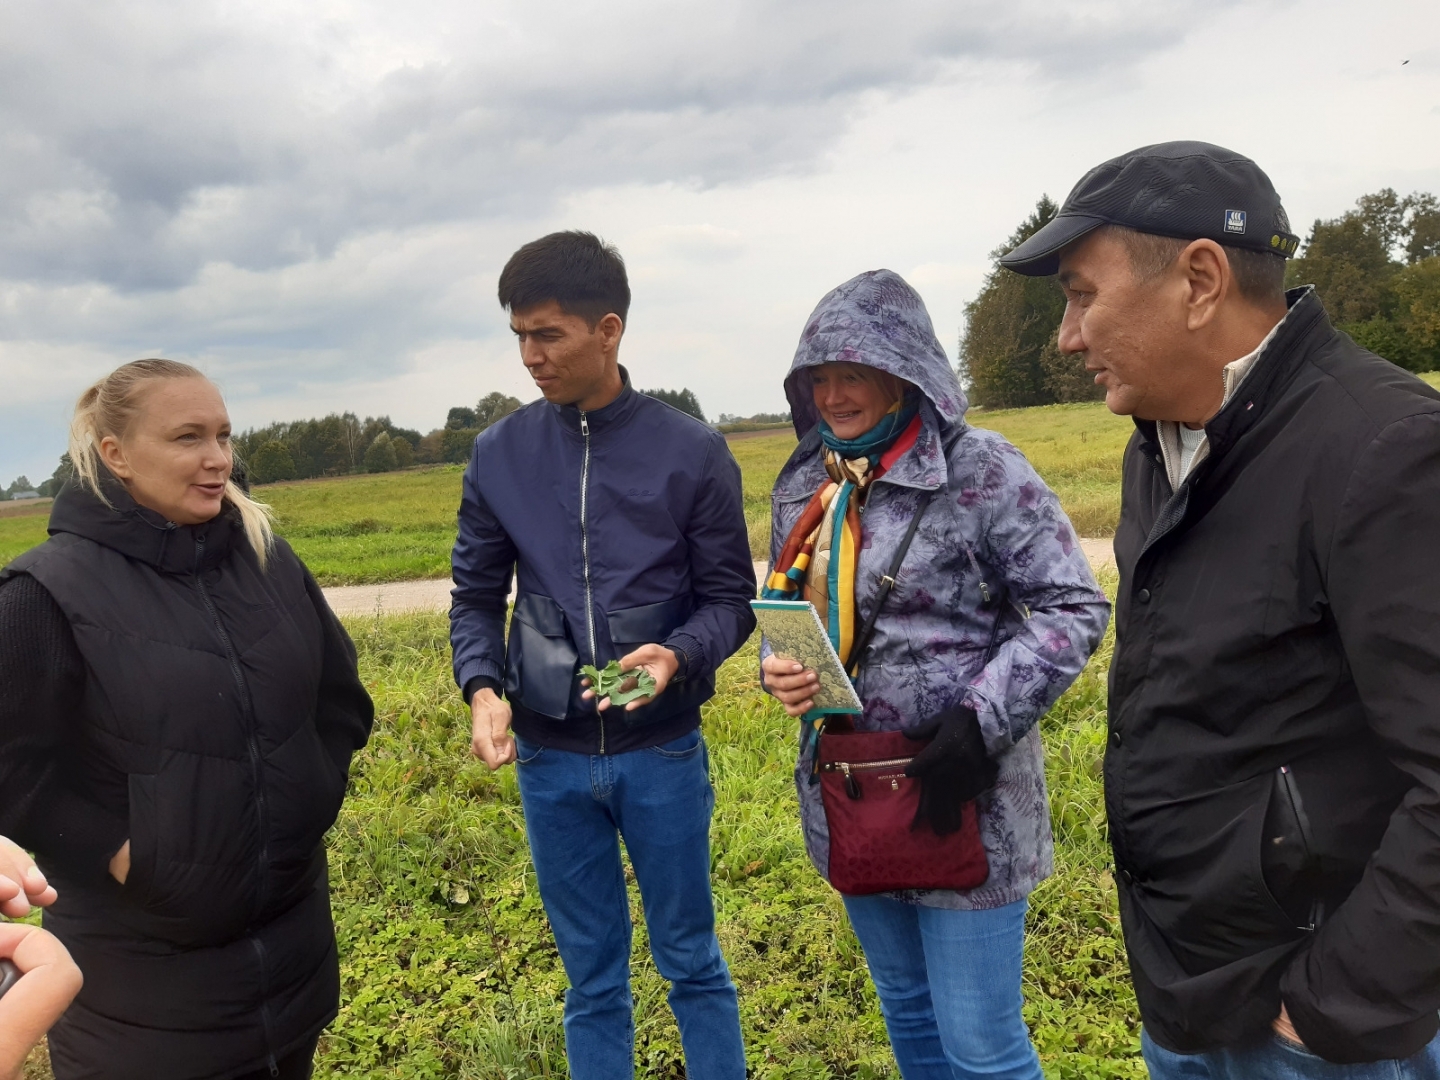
(611, 682)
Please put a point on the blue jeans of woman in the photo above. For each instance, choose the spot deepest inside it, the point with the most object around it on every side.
(1274, 1058)
(578, 807)
(949, 985)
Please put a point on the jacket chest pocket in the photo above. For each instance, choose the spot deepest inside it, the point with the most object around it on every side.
(540, 656)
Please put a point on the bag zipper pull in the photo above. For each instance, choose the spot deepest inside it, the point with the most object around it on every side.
(852, 786)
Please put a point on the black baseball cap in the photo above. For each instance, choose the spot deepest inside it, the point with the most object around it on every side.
(1188, 190)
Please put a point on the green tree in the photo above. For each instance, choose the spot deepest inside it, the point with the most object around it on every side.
(494, 406)
(404, 451)
(1376, 268)
(380, 456)
(456, 444)
(1348, 261)
(1424, 223)
(684, 400)
(271, 462)
(1008, 354)
(63, 472)
(460, 418)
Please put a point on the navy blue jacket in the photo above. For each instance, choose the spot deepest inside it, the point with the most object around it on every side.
(624, 526)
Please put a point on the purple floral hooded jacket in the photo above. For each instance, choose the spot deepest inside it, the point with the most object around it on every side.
(992, 519)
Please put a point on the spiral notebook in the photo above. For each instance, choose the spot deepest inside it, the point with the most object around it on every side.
(793, 629)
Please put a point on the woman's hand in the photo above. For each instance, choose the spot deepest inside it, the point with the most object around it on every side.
(954, 769)
(21, 882)
(49, 981)
(790, 683)
(120, 863)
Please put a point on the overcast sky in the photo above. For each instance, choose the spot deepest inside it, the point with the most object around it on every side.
(313, 202)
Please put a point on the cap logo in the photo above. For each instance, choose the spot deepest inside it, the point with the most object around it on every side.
(1235, 221)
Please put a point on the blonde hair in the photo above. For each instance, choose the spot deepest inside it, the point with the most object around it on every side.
(110, 407)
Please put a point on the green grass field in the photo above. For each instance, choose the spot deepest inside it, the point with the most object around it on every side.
(18, 534)
(399, 526)
(449, 968)
(358, 530)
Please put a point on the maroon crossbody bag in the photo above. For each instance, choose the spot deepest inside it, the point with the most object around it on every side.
(870, 803)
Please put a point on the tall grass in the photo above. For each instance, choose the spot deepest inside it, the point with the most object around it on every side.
(450, 969)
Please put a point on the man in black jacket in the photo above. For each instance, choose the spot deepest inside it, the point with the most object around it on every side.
(1273, 771)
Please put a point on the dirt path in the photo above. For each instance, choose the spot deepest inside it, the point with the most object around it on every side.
(434, 594)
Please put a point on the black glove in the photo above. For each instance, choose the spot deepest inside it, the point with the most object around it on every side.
(952, 770)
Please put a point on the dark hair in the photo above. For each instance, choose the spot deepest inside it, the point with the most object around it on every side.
(1259, 275)
(578, 270)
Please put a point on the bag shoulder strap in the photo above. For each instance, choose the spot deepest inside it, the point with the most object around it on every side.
(887, 583)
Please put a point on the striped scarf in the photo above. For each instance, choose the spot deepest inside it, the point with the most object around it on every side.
(819, 557)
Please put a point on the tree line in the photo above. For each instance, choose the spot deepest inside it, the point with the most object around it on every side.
(343, 443)
(1376, 268)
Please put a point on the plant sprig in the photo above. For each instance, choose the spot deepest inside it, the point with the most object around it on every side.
(621, 687)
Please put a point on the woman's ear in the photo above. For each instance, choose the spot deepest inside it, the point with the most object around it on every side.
(113, 457)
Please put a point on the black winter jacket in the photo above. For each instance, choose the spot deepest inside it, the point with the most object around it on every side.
(1273, 773)
(206, 711)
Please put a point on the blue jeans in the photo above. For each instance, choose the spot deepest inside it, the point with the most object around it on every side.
(949, 984)
(1275, 1058)
(577, 809)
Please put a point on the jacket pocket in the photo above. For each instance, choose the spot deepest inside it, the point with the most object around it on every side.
(140, 882)
(1287, 859)
(540, 657)
(1199, 875)
(632, 627)
(652, 624)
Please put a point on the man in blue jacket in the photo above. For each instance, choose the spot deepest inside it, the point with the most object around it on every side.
(623, 521)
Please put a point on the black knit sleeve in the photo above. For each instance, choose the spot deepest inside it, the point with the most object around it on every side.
(42, 680)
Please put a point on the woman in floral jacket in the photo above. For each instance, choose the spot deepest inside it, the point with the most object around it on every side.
(880, 417)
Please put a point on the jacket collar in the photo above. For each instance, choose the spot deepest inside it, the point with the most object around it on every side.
(1268, 375)
(616, 414)
(140, 533)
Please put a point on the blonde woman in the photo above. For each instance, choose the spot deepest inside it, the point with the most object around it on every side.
(178, 708)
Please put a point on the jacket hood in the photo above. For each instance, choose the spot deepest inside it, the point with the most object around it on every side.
(141, 533)
(878, 320)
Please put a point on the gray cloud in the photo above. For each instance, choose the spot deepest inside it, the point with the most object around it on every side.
(146, 141)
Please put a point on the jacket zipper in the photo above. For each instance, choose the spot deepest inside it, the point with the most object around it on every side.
(585, 555)
(1302, 823)
(256, 770)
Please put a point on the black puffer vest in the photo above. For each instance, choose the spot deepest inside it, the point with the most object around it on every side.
(218, 954)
